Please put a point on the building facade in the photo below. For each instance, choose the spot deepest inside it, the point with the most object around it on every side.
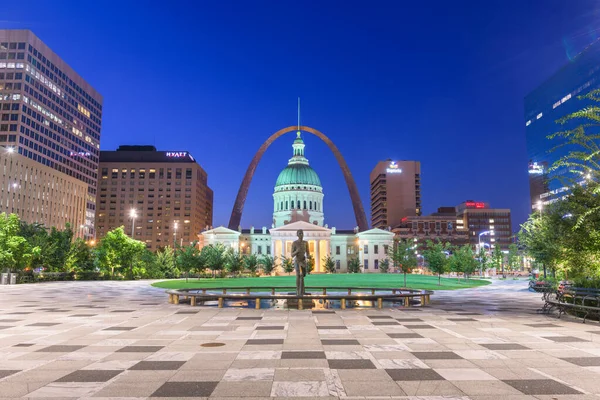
(49, 114)
(494, 224)
(298, 204)
(395, 192)
(163, 196)
(460, 225)
(551, 101)
(38, 194)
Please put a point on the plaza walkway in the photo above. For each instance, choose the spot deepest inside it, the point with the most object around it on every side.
(123, 340)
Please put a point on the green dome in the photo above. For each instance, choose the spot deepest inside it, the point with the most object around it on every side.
(298, 174)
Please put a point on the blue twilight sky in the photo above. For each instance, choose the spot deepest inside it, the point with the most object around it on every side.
(441, 82)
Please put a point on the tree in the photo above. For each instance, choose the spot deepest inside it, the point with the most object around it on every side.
(513, 261)
(57, 247)
(329, 264)
(215, 256)
(436, 258)
(188, 259)
(483, 260)
(166, 261)
(498, 259)
(287, 264)
(384, 267)
(471, 263)
(310, 264)
(80, 257)
(251, 263)
(403, 256)
(37, 236)
(267, 264)
(234, 262)
(354, 265)
(456, 262)
(15, 252)
(118, 252)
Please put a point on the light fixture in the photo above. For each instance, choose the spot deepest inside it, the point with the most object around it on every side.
(132, 213)
(10, 150)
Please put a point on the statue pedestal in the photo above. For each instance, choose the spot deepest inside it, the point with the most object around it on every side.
(307, 304)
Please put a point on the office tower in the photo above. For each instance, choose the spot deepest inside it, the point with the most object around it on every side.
(51, 116)
(162, 196)
(395, 192)
(549, 102)
(493, 224)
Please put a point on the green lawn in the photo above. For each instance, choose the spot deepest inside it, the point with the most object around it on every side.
(329, 280)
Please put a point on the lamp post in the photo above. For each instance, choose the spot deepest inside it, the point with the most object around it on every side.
(133, 215)
(10, 150)
(491, 233)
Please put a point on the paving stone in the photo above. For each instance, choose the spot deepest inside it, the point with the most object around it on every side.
(413, 374)
(584, 361)
(543, 325)
(504, 346)
(401, 335)
(340, 342)
(44, 324)
(390, 322)
(420, 326)
(140, 349)
(541, 387)
(157, 365)
(120, 328)
(185, 389)
(436, 355)
(249, 318)
(89, 376)
(60, 349)
(7, 372)
(264, 341)
(270, 328)
(565, 339)
(302, 355)
(332, 327)
(351, 364)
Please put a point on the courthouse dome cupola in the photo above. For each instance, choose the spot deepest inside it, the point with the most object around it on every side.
(298, 192)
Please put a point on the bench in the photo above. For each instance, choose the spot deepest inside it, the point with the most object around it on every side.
(195, 295)
(579, 300)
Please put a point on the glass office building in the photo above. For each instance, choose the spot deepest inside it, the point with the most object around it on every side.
(551, 101)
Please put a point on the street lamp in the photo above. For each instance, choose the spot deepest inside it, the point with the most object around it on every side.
(133, 215)
(10, 150)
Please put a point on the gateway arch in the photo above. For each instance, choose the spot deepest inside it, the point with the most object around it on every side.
(238, 207)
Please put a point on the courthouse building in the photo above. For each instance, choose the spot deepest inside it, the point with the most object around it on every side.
(298, 204)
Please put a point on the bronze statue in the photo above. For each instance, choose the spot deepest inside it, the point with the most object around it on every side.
(301, 252)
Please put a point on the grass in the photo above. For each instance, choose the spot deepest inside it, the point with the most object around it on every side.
(382, 281)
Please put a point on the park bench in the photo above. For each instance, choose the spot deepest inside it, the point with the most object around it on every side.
(584, 301)
(270, 293)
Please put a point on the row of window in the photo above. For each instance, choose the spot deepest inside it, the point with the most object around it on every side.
(151, 173)
(299, 205)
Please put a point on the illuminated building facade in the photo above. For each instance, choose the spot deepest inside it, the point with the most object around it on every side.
(459, 225)
(395, 192)
(551, 101)
(42, 195)
(49, 114)
(166, 190)
(298, 204)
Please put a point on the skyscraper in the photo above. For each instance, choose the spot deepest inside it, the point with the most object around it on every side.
(395, 192)
(549, 102)
(163, 196)
(50, 115)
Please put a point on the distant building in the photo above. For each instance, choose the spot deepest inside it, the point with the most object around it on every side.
(460, 225)
(39, 194)
(395, 192)
(51, 116)
(549, 102)
(167, 190)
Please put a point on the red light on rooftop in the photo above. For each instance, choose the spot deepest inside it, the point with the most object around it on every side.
(404, 219)
(475, 204)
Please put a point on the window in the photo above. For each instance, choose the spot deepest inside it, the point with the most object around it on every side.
(337, 264)
(385, 248)
(115, 173)
(366, 249)
(375, 249)
(305, 204)
(188, 173)
(177, 173)
(337, 250)
(269, 250)
(259, 250)
(376, 265)
(366, 263)
(132, 174)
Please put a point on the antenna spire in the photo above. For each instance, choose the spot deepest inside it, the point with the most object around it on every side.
(298, 113)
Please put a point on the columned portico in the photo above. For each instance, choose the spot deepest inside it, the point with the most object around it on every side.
(316, 236)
